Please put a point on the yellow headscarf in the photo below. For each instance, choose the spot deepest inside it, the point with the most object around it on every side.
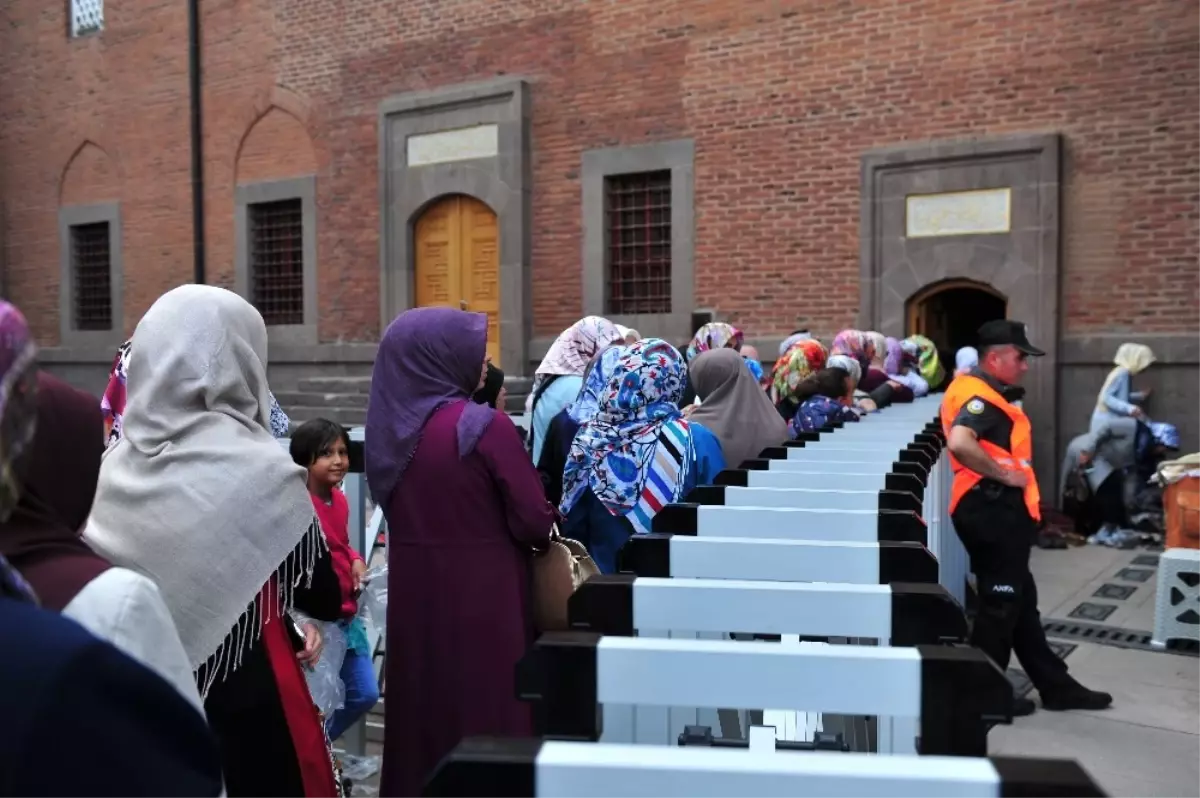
(1134, 358)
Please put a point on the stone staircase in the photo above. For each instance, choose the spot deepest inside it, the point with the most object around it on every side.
(344, 399)
(340, 399)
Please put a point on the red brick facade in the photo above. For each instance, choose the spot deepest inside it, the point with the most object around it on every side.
(780, 98)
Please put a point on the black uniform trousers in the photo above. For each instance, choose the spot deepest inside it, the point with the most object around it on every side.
(998, 533)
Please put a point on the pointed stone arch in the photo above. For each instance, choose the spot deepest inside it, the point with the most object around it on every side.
(89, 176)
(275, 146)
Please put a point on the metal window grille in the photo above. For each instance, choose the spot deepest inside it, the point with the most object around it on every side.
(91, 277)
(638, 221)
(277, 260)
(87, 16)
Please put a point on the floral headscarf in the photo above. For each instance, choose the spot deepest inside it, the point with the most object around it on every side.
(855, 344)
(572, 350)
(927, 360)
(18, 401)
(636, 452)
(587, 403)
(804, 358)
(817, 411)
(714, 335)
(112, 404)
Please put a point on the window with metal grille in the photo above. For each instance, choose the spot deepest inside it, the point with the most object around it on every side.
(91, 277)
(87, 16)
(277, 260)
(637, 209)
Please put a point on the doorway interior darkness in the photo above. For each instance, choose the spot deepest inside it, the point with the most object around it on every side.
(949, 314)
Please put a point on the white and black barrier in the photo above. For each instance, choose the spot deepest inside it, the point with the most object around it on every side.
(790, 523)
(897, 614)
(577, 681)
(777, 560)
(526, 768)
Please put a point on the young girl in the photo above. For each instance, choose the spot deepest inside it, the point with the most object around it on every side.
(322, 447)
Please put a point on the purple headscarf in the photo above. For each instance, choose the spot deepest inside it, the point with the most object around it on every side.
(429, 357)
(895, 356)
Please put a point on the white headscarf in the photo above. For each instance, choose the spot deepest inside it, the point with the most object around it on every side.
(197, 494)
(1134, 358)
(966, 358)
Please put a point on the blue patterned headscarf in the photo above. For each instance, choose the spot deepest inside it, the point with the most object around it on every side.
(636, 452)
(587, 403)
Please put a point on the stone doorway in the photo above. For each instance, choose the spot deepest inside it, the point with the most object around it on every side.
(950, 312)
(983, 211)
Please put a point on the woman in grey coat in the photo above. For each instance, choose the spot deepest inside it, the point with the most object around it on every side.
(1107, 455)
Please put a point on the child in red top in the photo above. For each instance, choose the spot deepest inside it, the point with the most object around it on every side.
(322, 447)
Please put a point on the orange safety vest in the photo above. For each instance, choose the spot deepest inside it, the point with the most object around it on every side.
(1019, 454)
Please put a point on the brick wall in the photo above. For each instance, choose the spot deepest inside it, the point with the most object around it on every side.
(781, 99)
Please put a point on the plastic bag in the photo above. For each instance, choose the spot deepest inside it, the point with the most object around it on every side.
(372, 604)
(324, 679)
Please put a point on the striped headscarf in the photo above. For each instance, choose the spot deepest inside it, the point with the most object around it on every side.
(714, 335)
(636, 452)
(806, 357)
(18, 401)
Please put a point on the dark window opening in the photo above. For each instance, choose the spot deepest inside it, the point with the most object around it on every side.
(91, 277)
(638, 222)
(277, 260)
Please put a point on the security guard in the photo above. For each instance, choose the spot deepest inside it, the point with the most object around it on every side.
(994, 505)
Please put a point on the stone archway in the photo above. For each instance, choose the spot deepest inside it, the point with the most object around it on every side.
(950, 312)
(983, 211)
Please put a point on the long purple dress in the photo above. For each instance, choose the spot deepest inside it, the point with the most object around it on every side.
(459, 535)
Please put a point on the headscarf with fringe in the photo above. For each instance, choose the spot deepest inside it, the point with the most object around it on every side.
(197, 494)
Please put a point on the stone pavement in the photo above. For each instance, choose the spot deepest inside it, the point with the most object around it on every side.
(1146, 743)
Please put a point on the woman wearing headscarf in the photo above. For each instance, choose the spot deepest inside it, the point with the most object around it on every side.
(628, 334)
(714, 335)
(929, 365)
(900, 367)
(42, 539)
(804, 358)
(564, 426)
(61, 689)
(637, 454)
(1117, 399)
(560, 376)
(826, 397)
(965, 359)
(734, 408)
(855, 344)
(198, 496)
(465, 510)
(794, 338)
(112, 404)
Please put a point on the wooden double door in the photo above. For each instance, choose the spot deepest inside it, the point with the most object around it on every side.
(456, 244)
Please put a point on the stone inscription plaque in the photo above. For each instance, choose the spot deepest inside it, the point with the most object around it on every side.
(464, 144)
(958, 213)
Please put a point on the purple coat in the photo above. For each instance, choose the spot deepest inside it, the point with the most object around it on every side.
(460, 532)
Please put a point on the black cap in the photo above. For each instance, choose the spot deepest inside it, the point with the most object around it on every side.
(1003, 332)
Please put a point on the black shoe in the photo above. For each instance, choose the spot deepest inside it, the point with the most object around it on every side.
(1078, 697)
(1023, 707)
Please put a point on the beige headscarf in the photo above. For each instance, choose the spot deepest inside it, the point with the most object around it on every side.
(197, 494)
(734, 408)
(1134, 358)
